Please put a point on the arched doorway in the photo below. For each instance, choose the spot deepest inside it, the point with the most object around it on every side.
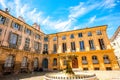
(24, 64)
(35, 64)
(74, 63)
(45, 64)
(9, 64)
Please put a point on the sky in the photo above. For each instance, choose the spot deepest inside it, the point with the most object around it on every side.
(63, 15)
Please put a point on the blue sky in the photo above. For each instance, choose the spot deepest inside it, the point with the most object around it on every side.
(63, 15)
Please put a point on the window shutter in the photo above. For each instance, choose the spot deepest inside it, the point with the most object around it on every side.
(9, 37)
(21, 27)
(13, 24)
(6, 22)
(25, 30)
(19, 40)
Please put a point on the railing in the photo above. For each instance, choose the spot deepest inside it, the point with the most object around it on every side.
(14, 46)
(106, 61)
(45, 51)
(95, 61)
(26, 48)
(84, 62)
(37, 50)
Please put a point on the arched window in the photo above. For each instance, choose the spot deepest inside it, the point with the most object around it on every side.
(36, 62)
(84, 60)
(9, 61)
(24, 62)
(55, 62)
(106, 59)
(94, 59)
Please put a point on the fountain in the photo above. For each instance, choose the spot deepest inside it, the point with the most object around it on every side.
(69, 74)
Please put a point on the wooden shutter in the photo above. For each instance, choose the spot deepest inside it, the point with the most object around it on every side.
(21, 27)
(6, 22)
(13, 24)
(9, 37)
(19, 40)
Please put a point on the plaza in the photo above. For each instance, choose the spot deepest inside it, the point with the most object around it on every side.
(70, 45)
(102, 75)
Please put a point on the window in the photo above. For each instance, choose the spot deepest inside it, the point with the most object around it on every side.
(54, 38)
(64, 62)
(80, 35)
(46, 39)
(24, 62)
(2, 19)
(55, 62)
(54, 48)
(16, 26)
(27, 42)
(35, 62)
(0, 31)
(27, 31)
(101, 43)
(85, 69)
(82, 48)
(99, 32)
(64, 47)
(36, 45)
(45, 47)
(71, 36)
(96, 68)
(108, 68)
(91, 44)
(9, 61)
(106, 59)
(13, 38)
(84, 60)
(89, 34)
(37, 36)
(94, 60)
(73, 46)
(63, 37)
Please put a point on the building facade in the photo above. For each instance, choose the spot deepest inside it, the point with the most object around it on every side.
(115, 42)
(27, 48)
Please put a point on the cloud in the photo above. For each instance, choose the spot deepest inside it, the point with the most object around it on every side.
(2, 2)
(108, 4)
(73, 20)
(92, 19)
(81, 9)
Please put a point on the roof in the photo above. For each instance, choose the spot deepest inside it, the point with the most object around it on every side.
(80, 29)
(19, 20)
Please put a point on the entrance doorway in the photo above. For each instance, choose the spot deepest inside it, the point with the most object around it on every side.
(74, 63)
(45, 64)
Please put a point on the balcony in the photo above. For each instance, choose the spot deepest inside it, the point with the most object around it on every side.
(95, 61)
(37, 50)
(84, 62)
(73, 50)
(45, 51)
(14, 46)
(26, 48)
(106, 61)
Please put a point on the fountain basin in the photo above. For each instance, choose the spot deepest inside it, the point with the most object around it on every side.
(64, 76)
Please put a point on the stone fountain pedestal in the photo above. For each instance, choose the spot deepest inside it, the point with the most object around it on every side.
(69, 74)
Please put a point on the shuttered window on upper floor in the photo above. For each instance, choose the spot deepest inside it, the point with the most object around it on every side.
(4, 20)
(17, 26)
(0, 32)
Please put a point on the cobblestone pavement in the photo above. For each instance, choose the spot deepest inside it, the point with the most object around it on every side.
(102, 75)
